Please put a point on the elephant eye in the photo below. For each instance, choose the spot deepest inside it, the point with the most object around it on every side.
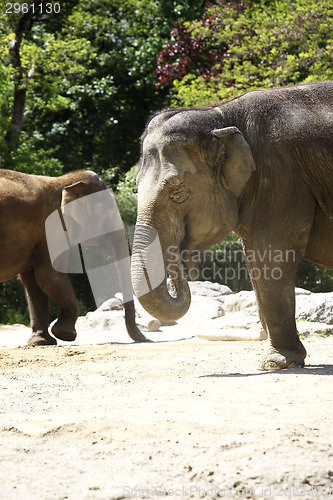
(180, 194)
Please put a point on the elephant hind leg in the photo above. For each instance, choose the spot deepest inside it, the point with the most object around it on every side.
(58, 288)
(38, 304)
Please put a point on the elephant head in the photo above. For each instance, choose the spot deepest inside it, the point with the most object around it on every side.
(192, 173)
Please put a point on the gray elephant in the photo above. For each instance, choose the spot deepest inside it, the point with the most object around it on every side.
(261, 165)
(26, 201)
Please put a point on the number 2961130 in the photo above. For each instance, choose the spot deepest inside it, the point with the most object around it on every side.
(42, 8)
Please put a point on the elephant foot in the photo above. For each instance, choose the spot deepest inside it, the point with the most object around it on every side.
(63, 329)
(283, 358)
(41, 338)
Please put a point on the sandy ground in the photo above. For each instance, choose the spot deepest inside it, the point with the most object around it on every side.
(181, 417)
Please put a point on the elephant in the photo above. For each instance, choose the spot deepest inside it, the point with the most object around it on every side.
(261, 165)
(26, 201)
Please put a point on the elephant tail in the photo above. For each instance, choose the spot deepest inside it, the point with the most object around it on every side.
(133, 331)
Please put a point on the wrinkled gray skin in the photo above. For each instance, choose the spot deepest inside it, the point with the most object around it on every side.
(260, 165)
(26, 201)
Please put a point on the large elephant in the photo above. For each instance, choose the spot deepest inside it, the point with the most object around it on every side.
(261, 165)
(26, 201)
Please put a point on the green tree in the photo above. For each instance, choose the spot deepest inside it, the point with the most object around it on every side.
(127, 197)
(251, 45)
(87, 77)
(34, 60)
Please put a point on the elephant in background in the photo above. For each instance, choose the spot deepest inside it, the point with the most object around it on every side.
(261, 165)
(26, 201)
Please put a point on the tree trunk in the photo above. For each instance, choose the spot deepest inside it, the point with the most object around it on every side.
(20, 79)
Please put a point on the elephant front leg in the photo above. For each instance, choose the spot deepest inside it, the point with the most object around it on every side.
(63, 295)
(58, 288)
(274, 284)
(38, 303)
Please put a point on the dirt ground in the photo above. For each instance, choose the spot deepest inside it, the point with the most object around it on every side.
(181, 417)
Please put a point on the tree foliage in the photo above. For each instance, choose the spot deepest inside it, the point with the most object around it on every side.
(127, 197)
(198, 47)
(238, 46)
(87, 74)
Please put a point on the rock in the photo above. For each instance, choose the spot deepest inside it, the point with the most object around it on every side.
(234, 326)
(109, 314)
(102, 319)
(207, 300)
(311, 328)
(241, 301)
(218, 313)
(113, 304)
(302, 291)
(237, 320)
(208, 289)
(316, 307)
(205, 308)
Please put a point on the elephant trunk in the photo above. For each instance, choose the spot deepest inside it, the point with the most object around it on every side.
(151, 266)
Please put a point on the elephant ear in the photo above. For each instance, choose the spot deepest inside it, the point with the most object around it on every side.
(238, 163)
(73, 192)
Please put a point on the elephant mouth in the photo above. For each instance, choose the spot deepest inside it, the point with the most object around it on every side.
(188, 257)
(178, 267)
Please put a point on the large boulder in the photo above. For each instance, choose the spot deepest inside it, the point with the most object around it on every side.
(217, 312)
